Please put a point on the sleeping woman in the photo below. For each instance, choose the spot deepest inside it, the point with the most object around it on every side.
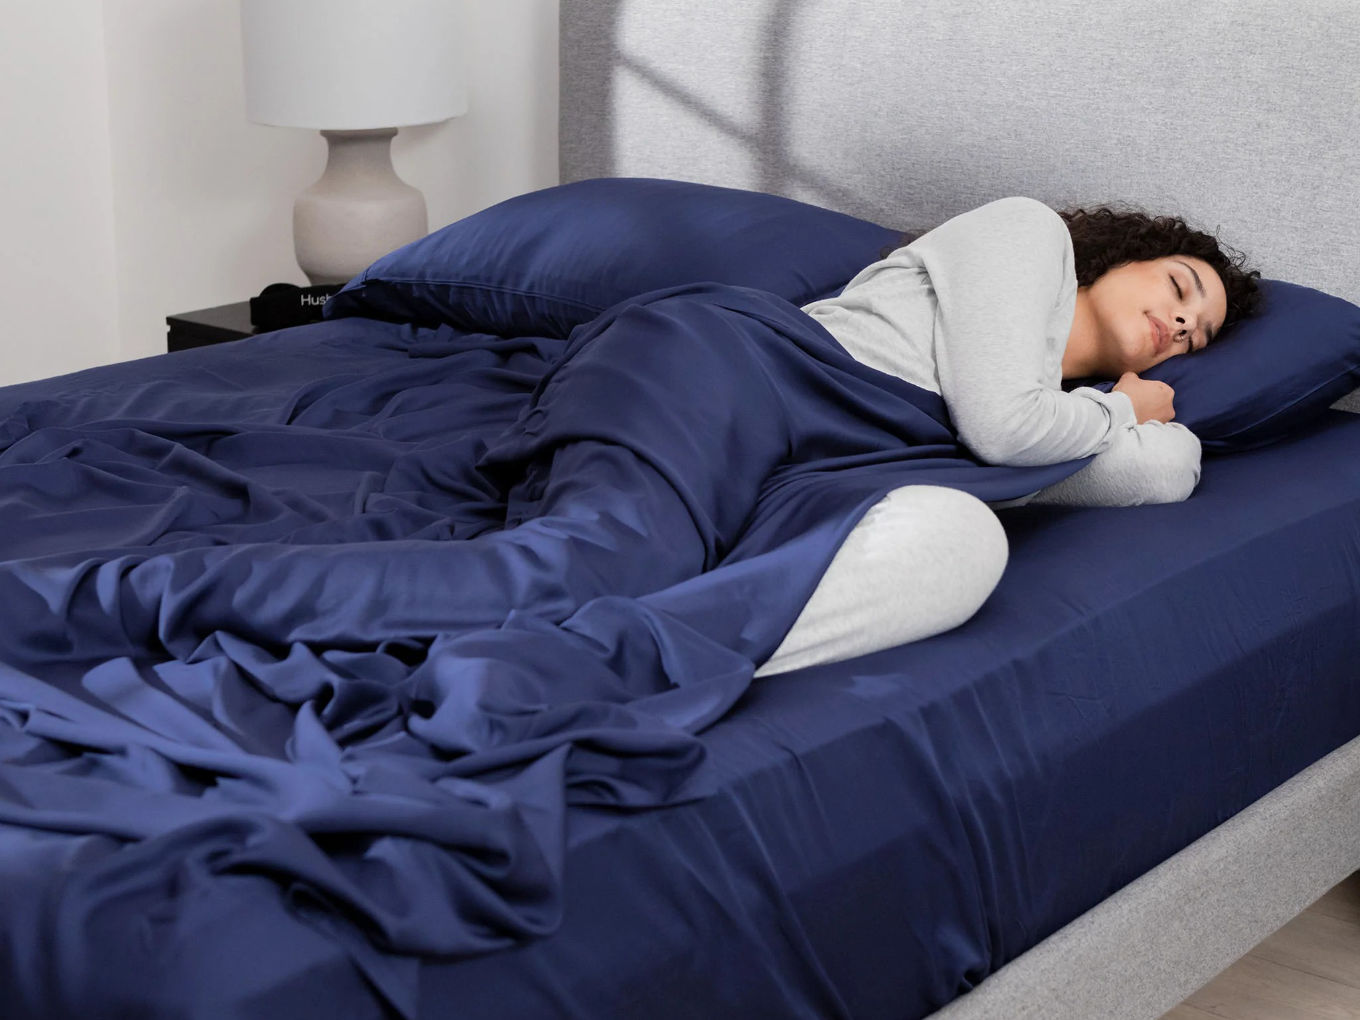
(995, 310)
(728, 398)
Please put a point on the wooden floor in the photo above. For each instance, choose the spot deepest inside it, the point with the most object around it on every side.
(1308, 970)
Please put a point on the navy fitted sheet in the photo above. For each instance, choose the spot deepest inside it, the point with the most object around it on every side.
(892, 829)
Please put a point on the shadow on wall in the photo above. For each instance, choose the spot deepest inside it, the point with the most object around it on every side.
(587, 112)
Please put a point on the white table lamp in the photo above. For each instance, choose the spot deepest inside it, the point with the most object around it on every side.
(356, 70)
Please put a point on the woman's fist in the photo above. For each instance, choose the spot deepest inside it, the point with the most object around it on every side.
(1152, 400)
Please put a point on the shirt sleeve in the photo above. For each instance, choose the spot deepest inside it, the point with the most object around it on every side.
(999, 273)
(1155, 462)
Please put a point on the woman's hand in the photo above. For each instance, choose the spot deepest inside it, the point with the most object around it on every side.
(1152, 400)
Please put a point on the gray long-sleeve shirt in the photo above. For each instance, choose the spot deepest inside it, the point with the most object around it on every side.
(979, 310)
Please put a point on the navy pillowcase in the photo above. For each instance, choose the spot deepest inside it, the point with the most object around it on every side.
(1267, 376)
(542, 263)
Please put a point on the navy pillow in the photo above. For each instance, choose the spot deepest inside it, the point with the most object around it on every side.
(542, 263)
(1268, 375)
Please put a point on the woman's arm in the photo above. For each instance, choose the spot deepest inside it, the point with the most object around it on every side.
(1001, 273)
(1154, 462)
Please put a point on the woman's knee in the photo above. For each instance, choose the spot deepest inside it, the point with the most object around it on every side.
(951, 540)
(921, 561)
(956, 522)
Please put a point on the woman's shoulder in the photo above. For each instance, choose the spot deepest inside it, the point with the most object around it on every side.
(1019, 209)
(1015, 230)
(1015, 220)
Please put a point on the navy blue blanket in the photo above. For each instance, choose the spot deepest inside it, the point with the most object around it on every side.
(319, 634)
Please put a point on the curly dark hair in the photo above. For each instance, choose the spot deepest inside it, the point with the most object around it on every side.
(1105, 238)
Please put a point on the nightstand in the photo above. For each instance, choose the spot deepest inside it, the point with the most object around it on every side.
(209, 326)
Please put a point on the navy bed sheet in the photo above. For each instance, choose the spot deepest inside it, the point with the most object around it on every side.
(272, 732)
(890, 830)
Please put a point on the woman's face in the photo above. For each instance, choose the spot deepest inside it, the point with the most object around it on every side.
(1145, 312)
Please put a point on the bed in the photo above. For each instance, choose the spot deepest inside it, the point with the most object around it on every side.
(1139, 757)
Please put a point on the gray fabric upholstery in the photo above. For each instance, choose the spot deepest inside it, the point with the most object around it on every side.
(1242, 116)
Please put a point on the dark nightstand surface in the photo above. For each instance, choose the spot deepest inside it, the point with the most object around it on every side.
(209, 326)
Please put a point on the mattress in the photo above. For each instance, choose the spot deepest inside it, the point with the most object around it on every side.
(892, 829)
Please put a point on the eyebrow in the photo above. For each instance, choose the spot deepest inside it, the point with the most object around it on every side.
(1208, 337)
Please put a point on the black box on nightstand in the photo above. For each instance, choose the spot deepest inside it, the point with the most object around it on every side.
(209, 326)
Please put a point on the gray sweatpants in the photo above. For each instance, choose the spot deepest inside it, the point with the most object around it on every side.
(922, 561)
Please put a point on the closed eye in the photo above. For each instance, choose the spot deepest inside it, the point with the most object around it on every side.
(1180, 296)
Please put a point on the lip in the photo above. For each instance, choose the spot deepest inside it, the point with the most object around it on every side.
(1161, 335)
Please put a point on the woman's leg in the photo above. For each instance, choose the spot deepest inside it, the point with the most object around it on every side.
(922, 561)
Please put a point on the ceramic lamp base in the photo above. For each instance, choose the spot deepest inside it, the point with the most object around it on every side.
(357, 211)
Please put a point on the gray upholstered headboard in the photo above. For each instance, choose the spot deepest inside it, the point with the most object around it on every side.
(1241, 115)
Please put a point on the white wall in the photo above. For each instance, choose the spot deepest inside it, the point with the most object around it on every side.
(58, 298)
(131, 170)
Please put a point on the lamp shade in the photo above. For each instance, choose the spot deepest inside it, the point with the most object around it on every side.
(351, 65)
